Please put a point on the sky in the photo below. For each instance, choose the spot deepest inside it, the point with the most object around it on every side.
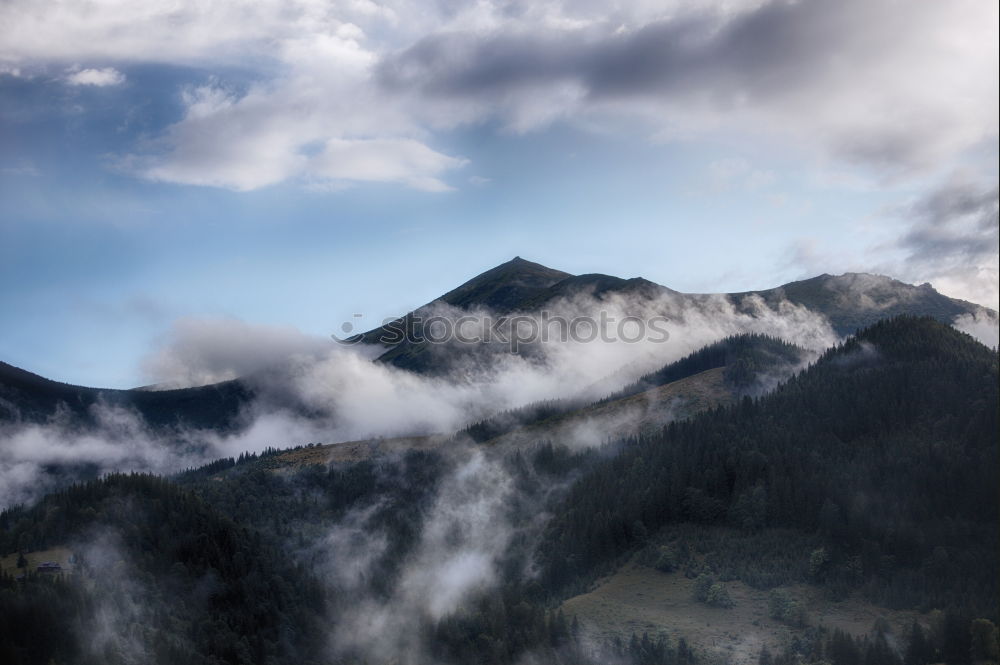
(290, 164)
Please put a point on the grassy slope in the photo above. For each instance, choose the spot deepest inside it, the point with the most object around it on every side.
(637, 598)
(349, 451)
(60, 555)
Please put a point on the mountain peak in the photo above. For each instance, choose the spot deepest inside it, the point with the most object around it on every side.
(504, 287)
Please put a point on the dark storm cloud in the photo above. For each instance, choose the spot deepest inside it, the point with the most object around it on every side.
(770, 50)
(767, 51)
(957, 222)
(458, 64)
(874, 80)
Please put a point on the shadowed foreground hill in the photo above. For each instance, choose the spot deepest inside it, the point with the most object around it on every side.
(871, 473)
(711, 376)
(885, 448)
(160, 577)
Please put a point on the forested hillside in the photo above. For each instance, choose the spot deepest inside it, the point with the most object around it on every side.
(886, 447)
(160, 577)
(750, 363)
(870, 473)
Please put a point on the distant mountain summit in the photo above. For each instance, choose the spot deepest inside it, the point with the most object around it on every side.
(506, 287)
(849, 302)
(855, 300)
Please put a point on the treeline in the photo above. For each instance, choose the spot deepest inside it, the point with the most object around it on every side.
(225, 463)
(512, 419)
(744, 357)
(951, 638)
(885, 450)
(507, 627)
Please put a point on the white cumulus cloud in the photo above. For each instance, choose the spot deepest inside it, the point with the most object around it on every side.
(99, 78)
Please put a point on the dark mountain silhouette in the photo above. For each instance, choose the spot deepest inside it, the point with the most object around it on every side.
(28, 397)
(506, 287)
(856, 300)
(850, 301)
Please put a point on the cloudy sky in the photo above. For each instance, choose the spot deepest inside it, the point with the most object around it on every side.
(294, 162)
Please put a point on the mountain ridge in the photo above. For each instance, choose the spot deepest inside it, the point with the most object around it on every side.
(26, 396)
(849, 301)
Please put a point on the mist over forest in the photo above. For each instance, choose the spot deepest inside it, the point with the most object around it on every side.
(357, 502)
(506, 332)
